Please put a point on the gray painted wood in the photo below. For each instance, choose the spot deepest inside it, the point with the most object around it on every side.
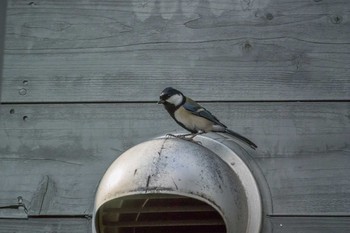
(3, 7)
(54, 155)
(45, 225)
(310, 183)
(279, 225)
(310, 224)
(72, 51)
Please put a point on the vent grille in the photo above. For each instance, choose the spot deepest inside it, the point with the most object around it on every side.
(159, 213)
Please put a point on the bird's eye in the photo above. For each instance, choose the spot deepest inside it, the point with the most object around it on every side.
(164, 96)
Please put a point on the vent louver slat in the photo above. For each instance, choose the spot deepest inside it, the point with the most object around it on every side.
(161, 213)
(163, 223)
(160, 209)
(185, 229)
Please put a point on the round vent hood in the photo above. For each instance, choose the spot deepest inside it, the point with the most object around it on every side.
(174, 185)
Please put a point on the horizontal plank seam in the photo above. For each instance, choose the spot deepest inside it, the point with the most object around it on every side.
(89, 216)
(340, 215)
(73, 216)
(154, 102)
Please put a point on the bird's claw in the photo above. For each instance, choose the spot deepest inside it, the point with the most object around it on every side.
(181, 136)
(187, 137)
(171, 135)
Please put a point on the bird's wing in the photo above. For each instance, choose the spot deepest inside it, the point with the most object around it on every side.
(193, 107)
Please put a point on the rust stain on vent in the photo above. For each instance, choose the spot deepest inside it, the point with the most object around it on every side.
(159, 213)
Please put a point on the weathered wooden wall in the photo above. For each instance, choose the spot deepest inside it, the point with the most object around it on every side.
(80, 81)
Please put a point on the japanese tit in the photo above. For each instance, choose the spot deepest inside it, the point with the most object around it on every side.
(193, 117)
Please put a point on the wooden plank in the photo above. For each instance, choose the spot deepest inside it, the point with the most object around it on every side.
(108, 50)
(109, 22)
(54, 155)
(310, 224)
(3, 7)
(309, 183)
(279, 224)
(44, 225)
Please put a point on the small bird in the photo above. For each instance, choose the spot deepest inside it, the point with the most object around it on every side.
(192, 116)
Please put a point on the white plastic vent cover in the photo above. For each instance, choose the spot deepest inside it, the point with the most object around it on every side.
(172, 185)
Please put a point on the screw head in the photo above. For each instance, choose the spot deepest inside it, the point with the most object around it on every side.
(20, 199)
(22, 91)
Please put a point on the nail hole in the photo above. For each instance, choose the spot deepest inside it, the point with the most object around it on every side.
(269, 16)
(336, 19)
(247, 45)
(12, 111)
(25, 82)
(25, 118)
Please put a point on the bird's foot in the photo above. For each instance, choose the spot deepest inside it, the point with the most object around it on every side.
(168, 135)
(187, 137)
(181, 136)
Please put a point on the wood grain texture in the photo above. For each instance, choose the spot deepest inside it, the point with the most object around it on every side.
(310, 224)
(310, 183)
(279, 225)
(3, 7)
(54, 155)
(46, 225)
(87, 51)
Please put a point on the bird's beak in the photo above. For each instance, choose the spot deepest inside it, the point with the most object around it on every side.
(160, 102)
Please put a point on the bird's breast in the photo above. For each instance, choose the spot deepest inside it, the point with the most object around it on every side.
(191, 121)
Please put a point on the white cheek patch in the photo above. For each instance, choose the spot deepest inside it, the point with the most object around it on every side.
(175, 99)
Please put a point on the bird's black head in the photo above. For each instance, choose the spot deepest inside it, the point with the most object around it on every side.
(171, 96)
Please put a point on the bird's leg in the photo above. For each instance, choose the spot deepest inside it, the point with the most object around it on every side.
(185, 136)
(192, 135)
(188, 137)
(182, 136)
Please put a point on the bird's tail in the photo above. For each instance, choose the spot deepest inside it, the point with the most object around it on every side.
(244, 139)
